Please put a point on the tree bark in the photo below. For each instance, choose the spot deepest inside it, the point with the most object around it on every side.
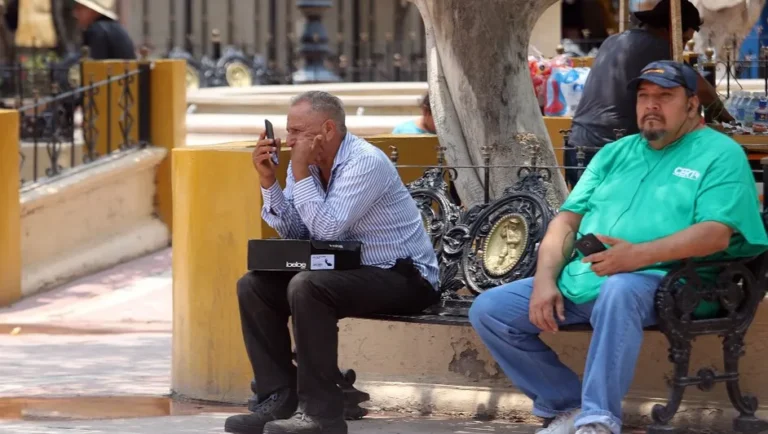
(481, 91)
(724, 22)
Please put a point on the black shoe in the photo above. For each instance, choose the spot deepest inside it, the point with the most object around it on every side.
(302, 423)
(279, 405)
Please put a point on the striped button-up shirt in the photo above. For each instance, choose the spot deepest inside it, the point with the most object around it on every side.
(365, 201)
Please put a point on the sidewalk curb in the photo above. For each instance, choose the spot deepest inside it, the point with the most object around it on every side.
(82, 329)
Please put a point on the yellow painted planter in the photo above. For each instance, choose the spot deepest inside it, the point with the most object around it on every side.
(10, 217)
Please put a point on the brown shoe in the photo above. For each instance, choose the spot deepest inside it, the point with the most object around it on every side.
(279, 405)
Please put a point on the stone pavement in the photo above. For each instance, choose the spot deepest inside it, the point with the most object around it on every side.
(39, 365)
(214, 422)
(94, 356)
(131, 297)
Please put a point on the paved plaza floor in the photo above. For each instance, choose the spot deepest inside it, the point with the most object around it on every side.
(94, 356)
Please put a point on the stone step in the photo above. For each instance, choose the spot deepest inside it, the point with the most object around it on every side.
(358, 98)
(206, 129)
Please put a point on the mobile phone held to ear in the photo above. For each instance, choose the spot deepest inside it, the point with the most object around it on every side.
(271, 135)
(589, 245)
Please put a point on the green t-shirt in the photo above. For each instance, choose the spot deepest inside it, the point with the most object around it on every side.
(636, 193)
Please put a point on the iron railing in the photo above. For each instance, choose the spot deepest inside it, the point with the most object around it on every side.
(79, 121)
(351, 53)
(38, 71)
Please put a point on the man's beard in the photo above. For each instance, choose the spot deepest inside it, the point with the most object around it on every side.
(652, 134)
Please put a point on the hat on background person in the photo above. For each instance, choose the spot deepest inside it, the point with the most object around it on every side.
(108, 8)
(659, 15)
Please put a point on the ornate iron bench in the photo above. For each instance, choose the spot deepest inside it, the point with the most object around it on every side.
(497, 242)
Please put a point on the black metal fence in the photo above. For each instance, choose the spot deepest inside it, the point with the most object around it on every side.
(352, 54)
(74, 123)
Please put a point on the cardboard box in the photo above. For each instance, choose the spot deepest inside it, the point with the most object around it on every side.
(303, 255)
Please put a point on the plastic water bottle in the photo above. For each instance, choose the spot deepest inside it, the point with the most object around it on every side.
(749, 109)
(741, 108)
(760, 123)
(754, 105)
(730, 102)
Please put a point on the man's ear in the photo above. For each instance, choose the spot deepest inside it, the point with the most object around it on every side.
(329, 128)
(693, 106)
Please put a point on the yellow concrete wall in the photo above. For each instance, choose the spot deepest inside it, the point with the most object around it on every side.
(217, 208)
(167, 114)
(10, 217)
(107, 117)
(109, 214)
(168, 125)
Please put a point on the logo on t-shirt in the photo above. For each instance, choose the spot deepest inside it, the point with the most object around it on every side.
(686, 173)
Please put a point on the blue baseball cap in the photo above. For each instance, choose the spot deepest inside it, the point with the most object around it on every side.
(668, 74)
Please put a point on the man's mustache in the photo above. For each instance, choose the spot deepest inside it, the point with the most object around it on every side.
(653, 116)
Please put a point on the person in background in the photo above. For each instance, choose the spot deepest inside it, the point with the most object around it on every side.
(104, 36)
(606, 105)
(424, 124)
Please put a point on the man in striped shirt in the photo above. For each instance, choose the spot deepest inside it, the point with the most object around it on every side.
(338, 187)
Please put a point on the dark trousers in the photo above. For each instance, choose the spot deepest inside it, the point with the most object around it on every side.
(315, 300)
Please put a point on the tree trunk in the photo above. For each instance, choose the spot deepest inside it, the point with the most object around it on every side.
(481, 91)
(724, 22)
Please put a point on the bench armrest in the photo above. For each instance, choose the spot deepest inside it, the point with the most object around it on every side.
(738, 285)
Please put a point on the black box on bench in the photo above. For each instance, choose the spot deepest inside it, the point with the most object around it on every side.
(300, 255)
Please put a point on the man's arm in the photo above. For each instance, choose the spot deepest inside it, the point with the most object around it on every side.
(279, 211)
(711, 100)
(700, 240)
(557, 245)
(356, 188)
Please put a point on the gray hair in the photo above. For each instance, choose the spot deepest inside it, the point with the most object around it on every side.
(325, 103)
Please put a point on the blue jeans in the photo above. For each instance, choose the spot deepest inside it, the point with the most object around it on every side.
(623, 308)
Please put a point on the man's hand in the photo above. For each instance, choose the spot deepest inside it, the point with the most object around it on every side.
(620, 257)
(262, 161)
(546, 299)
(305, 152)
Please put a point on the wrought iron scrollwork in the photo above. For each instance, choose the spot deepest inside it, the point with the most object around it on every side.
(438, 212)
(90, 130)
(22, 159)
(493, 244)
(61, 128)
(126, 102)
(737, 286)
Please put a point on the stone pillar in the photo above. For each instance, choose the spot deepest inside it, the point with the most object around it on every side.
(168, 124)
(10, 210)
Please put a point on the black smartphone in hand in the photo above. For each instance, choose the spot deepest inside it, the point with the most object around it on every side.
(271, 135)
(589, 245)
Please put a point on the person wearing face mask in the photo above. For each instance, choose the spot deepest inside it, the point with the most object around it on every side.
(605, 105)
(676, 190)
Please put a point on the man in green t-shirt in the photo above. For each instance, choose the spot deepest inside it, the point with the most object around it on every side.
(676, 190)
